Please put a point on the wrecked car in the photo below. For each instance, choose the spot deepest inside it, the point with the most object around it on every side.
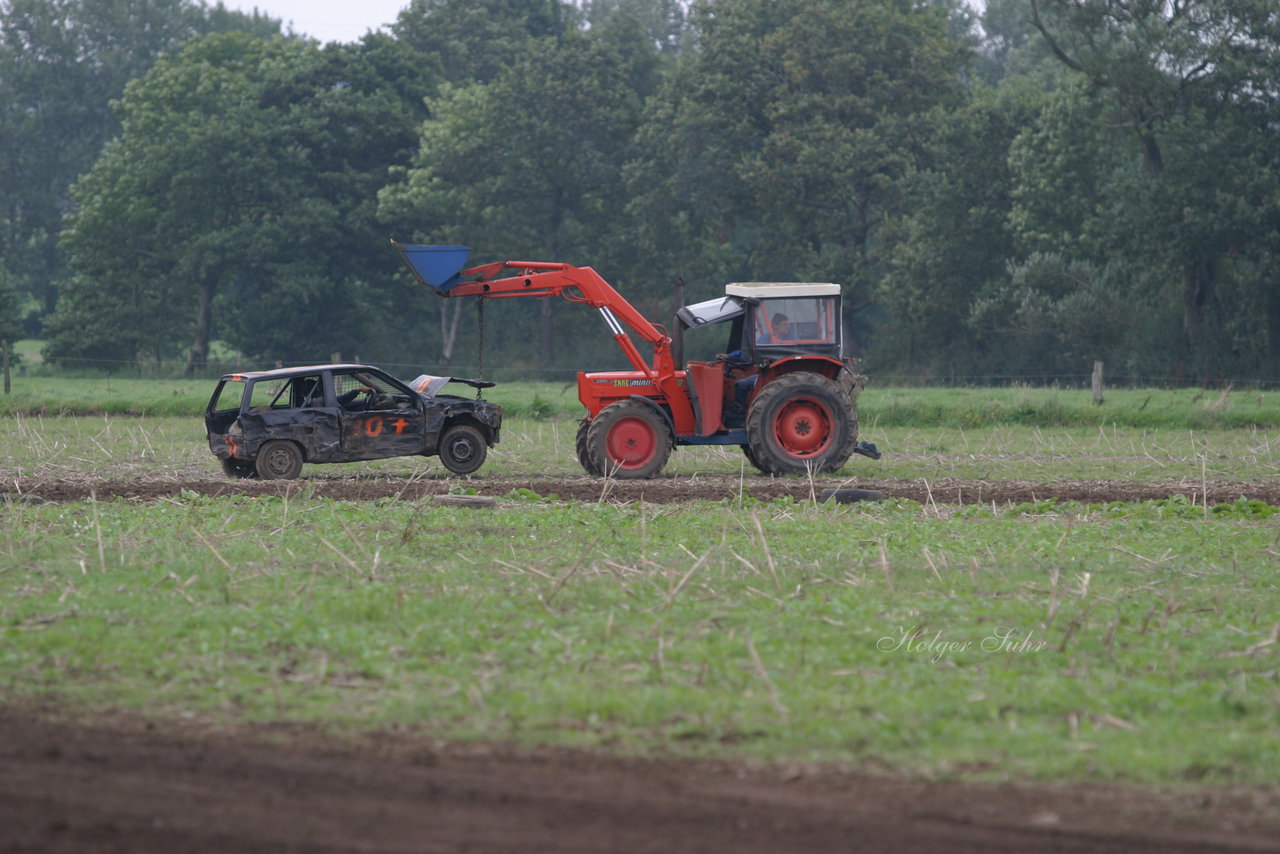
(266, 424)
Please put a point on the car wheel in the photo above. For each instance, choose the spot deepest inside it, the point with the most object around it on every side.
(279, 459)
(463, 449)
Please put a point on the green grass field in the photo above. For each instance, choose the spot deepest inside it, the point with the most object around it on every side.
(963, 409)
(1128, 641)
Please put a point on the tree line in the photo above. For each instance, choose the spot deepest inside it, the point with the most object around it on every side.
(1011, 192)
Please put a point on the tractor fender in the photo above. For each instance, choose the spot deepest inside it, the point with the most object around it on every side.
(666, 414)
(821, 365)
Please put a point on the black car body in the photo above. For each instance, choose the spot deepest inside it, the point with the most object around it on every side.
(267, 423)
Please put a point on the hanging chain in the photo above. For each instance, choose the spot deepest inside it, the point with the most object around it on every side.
(480, 358)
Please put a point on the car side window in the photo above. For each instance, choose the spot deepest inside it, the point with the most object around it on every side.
(308, 391)
(361, 392)
(348, 388)
(268, 395)
(229, 397)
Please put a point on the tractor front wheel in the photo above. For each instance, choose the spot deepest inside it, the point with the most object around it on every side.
(628, 440)
(580, 446)
(801, 422)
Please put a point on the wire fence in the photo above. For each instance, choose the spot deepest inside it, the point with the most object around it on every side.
(509, 372)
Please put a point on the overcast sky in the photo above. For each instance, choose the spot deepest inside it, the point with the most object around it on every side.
(327, 20)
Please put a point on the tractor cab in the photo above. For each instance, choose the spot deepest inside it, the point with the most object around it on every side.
(772, 320)
(773, 328)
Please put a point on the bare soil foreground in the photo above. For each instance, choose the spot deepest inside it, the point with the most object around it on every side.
(132, 785)
(657, 491)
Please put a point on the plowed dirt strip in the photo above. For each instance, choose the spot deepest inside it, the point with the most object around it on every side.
(658, 490)
(142, 786)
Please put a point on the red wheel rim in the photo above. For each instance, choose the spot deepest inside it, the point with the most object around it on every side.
(631, 443)
(803, 427)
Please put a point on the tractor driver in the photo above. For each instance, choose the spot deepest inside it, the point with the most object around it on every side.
(779, 330)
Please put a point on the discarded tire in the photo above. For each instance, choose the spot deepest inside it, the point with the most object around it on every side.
(477, 501)
(849, 496)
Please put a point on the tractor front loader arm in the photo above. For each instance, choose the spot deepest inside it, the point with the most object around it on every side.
(440, 268)
(573, 284)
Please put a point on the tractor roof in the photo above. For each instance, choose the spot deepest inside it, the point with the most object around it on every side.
(767, 290)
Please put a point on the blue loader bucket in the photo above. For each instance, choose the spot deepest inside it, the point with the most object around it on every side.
(436, 267)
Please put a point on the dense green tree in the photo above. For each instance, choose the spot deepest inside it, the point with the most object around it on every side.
(10, 319)
(777, 151)
(1194, 85)
(328, 281)
(528, 166)
(61, 63)
(1012, 48)
(662, 22)
(1050, 318)
(951, 243)
(1084, 193)
(244, 177)
(476, 40)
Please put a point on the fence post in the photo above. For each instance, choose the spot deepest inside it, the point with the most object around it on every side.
(1097, 383)
(5, 346)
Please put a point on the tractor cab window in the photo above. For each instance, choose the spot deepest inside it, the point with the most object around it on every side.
(705, 344)
(790, 322)
(710, 311)
(711, 328)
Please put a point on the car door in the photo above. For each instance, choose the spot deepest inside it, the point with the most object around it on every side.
(380, 416)
(296, 409)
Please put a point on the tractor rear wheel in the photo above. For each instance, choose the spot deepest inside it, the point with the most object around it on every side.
(580, 446)
(628, 440)
(751, 458)
(801, 422)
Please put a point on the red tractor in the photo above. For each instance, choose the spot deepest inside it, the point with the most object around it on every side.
(780, 387)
